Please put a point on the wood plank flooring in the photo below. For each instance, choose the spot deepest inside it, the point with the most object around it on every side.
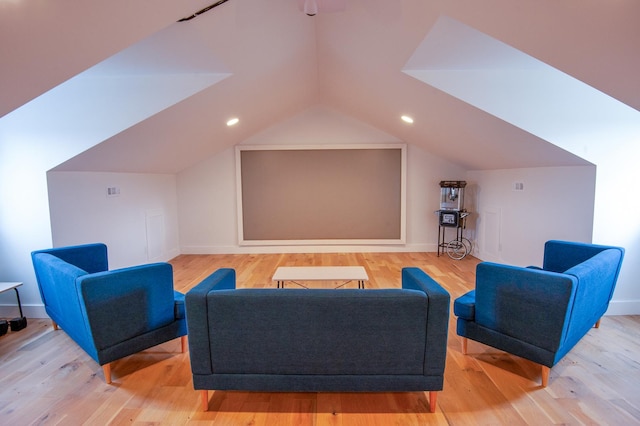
(45, 378)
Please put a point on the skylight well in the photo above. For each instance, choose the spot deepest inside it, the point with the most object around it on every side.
(129, 87)
(520, 89)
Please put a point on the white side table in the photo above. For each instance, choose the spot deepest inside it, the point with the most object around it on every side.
(16, 323)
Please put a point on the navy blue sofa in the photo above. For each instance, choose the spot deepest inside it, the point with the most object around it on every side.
(540, 313)
(316, 340)
(110, 314)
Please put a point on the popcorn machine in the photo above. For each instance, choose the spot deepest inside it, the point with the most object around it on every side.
(452, 214)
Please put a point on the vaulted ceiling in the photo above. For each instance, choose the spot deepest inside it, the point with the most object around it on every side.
(153, 95)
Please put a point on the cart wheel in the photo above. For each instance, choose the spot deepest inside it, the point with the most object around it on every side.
(456, 249)
(467, 243)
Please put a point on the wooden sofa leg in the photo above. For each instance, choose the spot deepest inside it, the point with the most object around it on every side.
(106, 369)
(597, 325)
(545, 375)
(183, 344)
(204, 400)
(55, 325)
(464, 345)
(433, 398)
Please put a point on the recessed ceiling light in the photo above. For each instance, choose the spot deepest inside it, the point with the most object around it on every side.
(233, 121)
(407, 119)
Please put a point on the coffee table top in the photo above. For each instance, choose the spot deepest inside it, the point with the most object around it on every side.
(320, 273)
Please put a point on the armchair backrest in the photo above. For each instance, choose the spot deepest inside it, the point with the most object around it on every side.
(596, 281)
(562, 255)
(142, 296)
(57, 284)
(88, 257)
(529, 303)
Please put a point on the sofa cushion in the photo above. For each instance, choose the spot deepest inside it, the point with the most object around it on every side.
(267, 331)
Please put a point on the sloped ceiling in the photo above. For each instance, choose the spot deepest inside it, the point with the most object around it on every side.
(264, 61)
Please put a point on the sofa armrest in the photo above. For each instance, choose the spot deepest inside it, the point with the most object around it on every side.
(437, 317)
(128, 302)
(527, 304)
(197, 314)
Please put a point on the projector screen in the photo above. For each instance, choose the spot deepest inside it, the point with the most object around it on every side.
(346, 194)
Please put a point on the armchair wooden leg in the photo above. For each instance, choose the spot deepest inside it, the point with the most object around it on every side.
(433, 398)
(183, 344)
(597, 325)
(464, 345)
(545, 375)
(55, 325)
(106, 369)
(204, 400)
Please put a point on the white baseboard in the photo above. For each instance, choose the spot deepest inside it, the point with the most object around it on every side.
(29, 311)
(624, 307)
(307, 249)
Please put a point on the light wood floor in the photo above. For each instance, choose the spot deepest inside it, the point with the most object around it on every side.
(45, 378)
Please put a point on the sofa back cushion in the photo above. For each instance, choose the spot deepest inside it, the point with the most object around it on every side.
(291, 331)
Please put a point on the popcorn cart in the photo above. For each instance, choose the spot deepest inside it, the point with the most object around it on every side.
(452, 214)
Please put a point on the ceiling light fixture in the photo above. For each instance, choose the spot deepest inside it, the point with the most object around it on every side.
(311, 7)
(407, 119)
(233, 121)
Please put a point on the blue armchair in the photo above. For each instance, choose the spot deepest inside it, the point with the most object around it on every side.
(540, 313)
(110, 314)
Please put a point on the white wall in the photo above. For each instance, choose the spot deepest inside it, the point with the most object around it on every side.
(24, 221)
(556, 203)
(615, 218)
(139, 225)
(207, 192)
(26, 153)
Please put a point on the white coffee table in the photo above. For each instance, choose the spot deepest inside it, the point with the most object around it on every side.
(295, 274)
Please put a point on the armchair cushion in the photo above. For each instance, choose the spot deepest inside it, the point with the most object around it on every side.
(465, 306)
(179, 309)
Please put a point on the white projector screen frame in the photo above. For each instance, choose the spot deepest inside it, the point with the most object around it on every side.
(362, 200)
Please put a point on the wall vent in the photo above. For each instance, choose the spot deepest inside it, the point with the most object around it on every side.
(113, 191)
